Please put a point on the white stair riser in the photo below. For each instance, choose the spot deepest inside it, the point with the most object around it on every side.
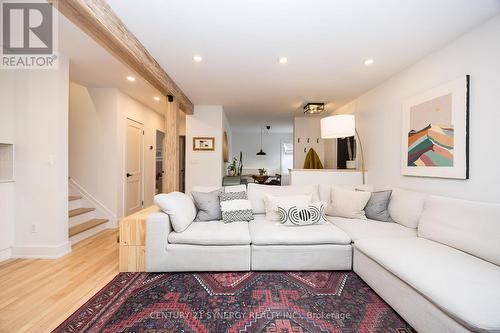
(88, 233)
(75, 220)
(74, 204)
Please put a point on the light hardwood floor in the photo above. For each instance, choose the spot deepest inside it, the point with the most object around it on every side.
(37, 295)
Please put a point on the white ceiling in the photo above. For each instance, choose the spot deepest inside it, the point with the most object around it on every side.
(92, 66)
(325, 41)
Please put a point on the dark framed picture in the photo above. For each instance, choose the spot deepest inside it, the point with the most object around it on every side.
(203, 143)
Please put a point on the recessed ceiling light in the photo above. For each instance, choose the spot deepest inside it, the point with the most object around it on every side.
(156, 98)
(282, 60)
(131, 78)
(197, 58)
(369, 62)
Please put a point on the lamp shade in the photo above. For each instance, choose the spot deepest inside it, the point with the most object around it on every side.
(339, 126)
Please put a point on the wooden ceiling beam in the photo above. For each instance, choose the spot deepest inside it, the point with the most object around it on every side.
(99, 21)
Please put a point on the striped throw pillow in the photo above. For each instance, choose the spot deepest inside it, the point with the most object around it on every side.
(303, 215)
(235, 206)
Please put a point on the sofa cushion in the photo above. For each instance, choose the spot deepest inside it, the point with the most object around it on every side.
(463, 286)
(360, 229)
(179, 207)
(325, 190)
(257, 194)
(212, 233)
(208, 205)
(377, 206)
(472, 227)
(301, 215)
(405, 207)
(273, 201)
(264, 232)
(348, 203)
(235, 207)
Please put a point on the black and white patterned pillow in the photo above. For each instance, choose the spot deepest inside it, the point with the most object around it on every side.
(235, 206)
(303, 215)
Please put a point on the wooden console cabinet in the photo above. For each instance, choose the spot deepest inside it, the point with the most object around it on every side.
(133, 240)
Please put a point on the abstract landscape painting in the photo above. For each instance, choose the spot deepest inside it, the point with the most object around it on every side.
(435, 132)
(430, 140)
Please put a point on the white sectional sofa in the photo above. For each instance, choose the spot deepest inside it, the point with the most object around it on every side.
(437, 265)
(243, 246)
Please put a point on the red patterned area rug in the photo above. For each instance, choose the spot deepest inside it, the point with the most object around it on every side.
(277, 302)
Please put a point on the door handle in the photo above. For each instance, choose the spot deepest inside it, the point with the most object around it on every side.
(129, 175)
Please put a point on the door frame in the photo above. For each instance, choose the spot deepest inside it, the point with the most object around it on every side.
(162, 158)
(124, 177)
(286, 176)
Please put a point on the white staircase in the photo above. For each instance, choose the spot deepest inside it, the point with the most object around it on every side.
(85, 217)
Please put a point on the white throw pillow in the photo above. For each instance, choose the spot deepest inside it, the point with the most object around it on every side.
(325, 190)
(257, 193)
(347, 203)
(179, 207)
(300, 215)
(273, 201)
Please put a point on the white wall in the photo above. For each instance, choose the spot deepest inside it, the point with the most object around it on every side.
(249, 144)
(34, 116)
(93, 157)
(203, 168)
(98, 119)
(304, 128)
(7, 121)
(379, 115)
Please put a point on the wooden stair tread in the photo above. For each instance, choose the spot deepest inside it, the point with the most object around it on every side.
(79, 211)
(75, 230)
(74, 197)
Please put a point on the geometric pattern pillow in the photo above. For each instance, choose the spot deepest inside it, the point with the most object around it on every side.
(303, 215)
(235, 206)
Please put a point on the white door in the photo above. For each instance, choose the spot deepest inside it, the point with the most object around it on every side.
(133, 167)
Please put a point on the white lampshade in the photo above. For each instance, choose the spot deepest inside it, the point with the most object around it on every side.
(339, 126)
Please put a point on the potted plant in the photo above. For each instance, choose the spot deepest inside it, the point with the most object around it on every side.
(351, 152)
(262, 171)
(232, 168)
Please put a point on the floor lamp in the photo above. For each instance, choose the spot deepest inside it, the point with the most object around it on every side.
(342, 126)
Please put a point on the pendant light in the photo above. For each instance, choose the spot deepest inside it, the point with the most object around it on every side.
(261, 152)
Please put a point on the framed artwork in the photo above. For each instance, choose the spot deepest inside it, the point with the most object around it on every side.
(203, 143)
(435, 132)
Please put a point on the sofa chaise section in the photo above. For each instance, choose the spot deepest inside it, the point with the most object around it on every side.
(447, 278)
(461, 286)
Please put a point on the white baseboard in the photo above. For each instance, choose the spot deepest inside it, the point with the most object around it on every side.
(5, 254)
(101, 209)
(41, 252)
